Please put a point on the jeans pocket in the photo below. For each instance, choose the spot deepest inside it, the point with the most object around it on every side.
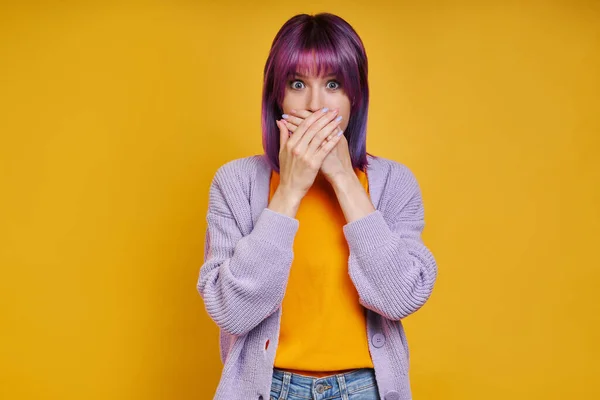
(369, 392)
(275, 391)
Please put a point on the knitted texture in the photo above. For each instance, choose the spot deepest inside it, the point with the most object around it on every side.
(248, 255)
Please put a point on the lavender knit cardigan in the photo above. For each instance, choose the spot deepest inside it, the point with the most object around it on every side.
(248, 253)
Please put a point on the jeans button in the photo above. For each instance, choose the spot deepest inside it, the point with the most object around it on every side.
(320, 388)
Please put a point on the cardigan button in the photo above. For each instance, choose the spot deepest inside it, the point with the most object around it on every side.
(260, 397)
(392, 395)
(378, 340)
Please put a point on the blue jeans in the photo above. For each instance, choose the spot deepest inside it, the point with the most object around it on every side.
(359, 384)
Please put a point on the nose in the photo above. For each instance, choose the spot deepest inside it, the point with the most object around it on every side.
(316, 101)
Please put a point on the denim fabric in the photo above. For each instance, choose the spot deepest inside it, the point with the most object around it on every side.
(359, 384)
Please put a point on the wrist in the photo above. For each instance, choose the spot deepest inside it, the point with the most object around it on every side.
(285, 201)
(344, 179)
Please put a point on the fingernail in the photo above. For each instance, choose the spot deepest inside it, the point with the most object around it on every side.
(339, 118)
(284, 116)
(340, 133)
(325, 109)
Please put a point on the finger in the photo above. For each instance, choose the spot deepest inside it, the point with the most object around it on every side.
(301, 113)
(333, 135)
(327, 130)
(314, 129)
(291, 127)
(323, 150)
(296, 116)
(337, 130)
(293, 119)
(283, 134)
(305, 125)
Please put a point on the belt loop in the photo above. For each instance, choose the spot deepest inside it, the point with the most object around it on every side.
(343, 389)
(285, 387)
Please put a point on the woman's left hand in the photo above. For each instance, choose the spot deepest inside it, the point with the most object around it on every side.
(337, 162)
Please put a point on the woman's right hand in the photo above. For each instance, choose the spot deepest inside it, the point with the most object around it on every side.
(301, 154)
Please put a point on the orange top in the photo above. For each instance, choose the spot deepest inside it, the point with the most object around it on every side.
(323, 326)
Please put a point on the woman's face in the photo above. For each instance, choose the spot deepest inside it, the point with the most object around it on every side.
(313, 93)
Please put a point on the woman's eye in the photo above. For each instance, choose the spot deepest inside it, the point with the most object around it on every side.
(299, 85)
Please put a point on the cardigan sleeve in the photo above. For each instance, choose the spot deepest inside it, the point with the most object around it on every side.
(243, 278)
(392, 270)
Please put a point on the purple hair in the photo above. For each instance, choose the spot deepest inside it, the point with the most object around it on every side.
(332, 44)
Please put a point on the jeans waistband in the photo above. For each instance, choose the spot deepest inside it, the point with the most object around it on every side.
(341, 384)
(361, 373)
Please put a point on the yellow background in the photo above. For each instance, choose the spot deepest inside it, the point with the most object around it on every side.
(115, 116)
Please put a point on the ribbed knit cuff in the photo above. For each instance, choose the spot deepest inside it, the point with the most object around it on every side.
(367, 233)
(276, 229)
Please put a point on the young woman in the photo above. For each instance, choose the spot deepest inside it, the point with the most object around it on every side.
(313, 250)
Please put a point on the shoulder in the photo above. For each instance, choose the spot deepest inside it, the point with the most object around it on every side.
(400, 191)
(231, 185)
(233, 181)
(240, 169)
(396, 175)
(240, 173)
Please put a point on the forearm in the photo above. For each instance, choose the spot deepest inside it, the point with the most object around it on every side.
(352, 197)
(391, 268)
(285, 202)
(243, 279)
(393, 271)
